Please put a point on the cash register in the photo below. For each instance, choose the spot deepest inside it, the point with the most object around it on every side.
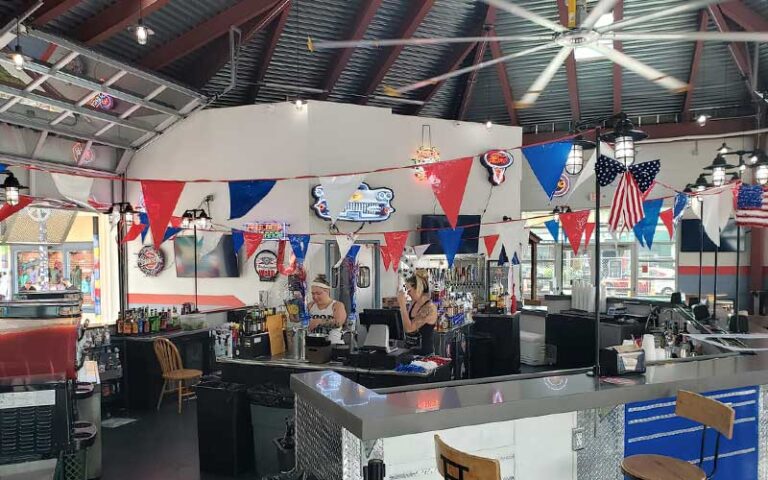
(379, 347)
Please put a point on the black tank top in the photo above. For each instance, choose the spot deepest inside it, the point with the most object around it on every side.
(421, 341)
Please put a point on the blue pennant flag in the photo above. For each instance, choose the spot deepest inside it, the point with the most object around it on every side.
(450, 240)
(352, 254)
(144, 220)
(299, 244)
(245, 194)
(169, 232)
(645, 229)
(238, 239)
(547, 162)
(3, 167)
(503, 258)
(515, 259)
(681, 201)
(554, 229)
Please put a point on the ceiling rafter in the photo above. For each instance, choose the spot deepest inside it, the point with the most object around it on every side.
(359, 27)
(618, 84)
(469, 86)
(698, 52)
(744, 16)
(206, 32)
(506, 87)
(51, 9)
(738, 51)
(570, 68)
(116, 19)
(413, 18)
(273, 37)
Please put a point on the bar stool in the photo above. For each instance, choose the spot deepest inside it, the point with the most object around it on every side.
(173, 370)
(455, 465)
(711, 414)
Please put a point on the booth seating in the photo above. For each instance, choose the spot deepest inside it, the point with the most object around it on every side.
(456, 465)
(711, 414)
(173, 371)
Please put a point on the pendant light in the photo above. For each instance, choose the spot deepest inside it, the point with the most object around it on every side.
(12, 189)
(203, 221)
(724, 148)
(140, 30)
(701, 183)
(702, 120)
(624, 137)
(761, 174)
(122, 211)
(575, 162)
(18, 55)
(719, 167)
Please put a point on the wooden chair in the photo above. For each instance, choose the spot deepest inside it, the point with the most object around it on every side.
(455, 465)
(711, 414)
(173, 370)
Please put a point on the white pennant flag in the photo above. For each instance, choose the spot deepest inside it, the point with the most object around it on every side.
(337, 191)
(76, 189)
(419, 250)
(725, 207)
(208, 242)
(345, 242)
(513, 236)
(710, 217)
(586, 173)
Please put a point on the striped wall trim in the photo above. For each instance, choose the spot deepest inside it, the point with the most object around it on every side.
(672, 415)
(682, 431)
(654, 406)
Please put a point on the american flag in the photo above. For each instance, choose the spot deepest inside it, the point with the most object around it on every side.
(752, 206)
(627, 208)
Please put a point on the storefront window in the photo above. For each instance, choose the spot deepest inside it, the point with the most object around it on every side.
(28, 275)
(616, 269)
(576, 268)
(81, 273)
(656, 267)
(545, 270)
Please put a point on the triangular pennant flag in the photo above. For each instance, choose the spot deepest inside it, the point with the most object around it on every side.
(385, 258)
(7, 210)
(171, 231)
(586, 172)
(490, 243)
(573, 226)
(209, 241)
(547, 162)
(238, 239)
(419, 250)
(160, 198)
(450, 240)
(74, 188)
(554, 229)
(503, 258)
(176, 222)
(668, 217)
(710, 217)
(725, 206)
(299, 244)
(344, 242)
(449, 181)
(144, 220)
(515, 260)
(246, 194)
(337, 190)
(3, 167)
(639, 234)
(589, 229)
(252, 242)
(133, 232)
(681, 201)
(395, 245)
(651, 219)
(352, 253)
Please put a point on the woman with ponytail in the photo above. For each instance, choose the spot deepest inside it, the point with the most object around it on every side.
(419, 321)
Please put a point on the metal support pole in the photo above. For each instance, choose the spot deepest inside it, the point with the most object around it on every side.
(701, 245)
(194, 230)
(597, 259)
(122, 256)
(738, 261)
(714, 287)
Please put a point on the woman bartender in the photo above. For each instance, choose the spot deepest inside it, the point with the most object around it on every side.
(326, 314)
(419, 322)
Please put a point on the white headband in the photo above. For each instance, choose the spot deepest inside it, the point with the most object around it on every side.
(320, 285)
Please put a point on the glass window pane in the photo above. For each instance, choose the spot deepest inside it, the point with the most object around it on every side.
(28, 270)
(616, 270)
(575, 267)
(81, 273)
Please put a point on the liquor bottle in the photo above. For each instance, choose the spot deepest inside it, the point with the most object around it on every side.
(175, 320)
(135, 327)
(164, 320)
(120, 323)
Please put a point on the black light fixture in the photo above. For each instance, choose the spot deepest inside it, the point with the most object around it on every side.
(702, 119)
(624, 137)
(701, 183)
(122, 211)
(719, 167)
(575, 162)
(196, 218)
(141, 31)
(12, 188)
(755, 157)
(17, 57)
(724, 148)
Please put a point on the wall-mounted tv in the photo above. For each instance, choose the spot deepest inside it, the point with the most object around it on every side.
(690, 237)
(220, 262)
(469, 239)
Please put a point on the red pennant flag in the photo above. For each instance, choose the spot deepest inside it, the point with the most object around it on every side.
(252, 242)
(385, 256)
(395, 245)
(573, 225)
(490, 243)
(7, 210)
(160, 198)
(133, 232)
(175, 222)
(449, 181)
(667, 216)
(588, 231)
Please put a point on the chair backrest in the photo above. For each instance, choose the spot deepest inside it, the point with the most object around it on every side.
(706, 411)
(167, 355)
(455, 465)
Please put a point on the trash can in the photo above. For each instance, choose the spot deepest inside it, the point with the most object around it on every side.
(270, 405)
(225, 443)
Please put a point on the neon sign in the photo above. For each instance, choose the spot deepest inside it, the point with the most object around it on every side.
(268, 230)
(563, 186)
(365, 205)
(497, 162)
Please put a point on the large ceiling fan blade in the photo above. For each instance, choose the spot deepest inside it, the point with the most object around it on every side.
(471, 68)
(690, 36)
(334, 44)
(510, 7)
(545, 77)
(664, 12)
(646, 71)
(602, 7)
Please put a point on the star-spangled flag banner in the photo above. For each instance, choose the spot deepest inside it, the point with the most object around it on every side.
(644, 173)
(752, 206)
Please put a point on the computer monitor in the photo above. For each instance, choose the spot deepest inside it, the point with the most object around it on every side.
(384, 316)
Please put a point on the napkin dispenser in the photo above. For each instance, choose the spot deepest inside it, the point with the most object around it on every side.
(622, 360)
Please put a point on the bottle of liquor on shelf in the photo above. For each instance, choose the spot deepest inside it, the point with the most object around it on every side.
(135, 326)
(119, 324)
(175, 319)
(164, 320)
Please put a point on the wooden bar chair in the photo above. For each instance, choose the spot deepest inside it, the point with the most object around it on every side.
(173, 371)
(711, 414)
(455, 465)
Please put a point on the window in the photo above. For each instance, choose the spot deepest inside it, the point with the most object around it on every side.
(546, 254)
(656, 267)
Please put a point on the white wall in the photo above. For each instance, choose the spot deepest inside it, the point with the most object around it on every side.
(264, 141)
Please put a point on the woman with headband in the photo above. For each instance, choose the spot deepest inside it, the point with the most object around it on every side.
(326, 314)
(419, 321)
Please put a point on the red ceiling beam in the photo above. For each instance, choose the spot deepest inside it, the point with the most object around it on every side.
(471, 80)
(506, 88)
(273, 36)
(570, 68)
(698, 50)
(738, 51)
(413, 18)
(744, 16)
(206, 32)
(52, 9)
(116, 19)
(618, 15)
(363, 19)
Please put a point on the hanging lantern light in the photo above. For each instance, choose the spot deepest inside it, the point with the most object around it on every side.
(623, 138)
(186, 219)
(724, 148)
(719, 167)
(129, 215)
(761, 174)
(122, 211)
(426, 153)
(203, 221)
(12, 189)
(575, 162)
(701, 183)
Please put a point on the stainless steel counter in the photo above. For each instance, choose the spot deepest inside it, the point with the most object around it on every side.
(279, 361)
(370, 415)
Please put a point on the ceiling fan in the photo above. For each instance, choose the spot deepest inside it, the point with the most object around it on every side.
(580, 33)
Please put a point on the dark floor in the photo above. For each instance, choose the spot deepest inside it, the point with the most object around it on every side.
(159, 446)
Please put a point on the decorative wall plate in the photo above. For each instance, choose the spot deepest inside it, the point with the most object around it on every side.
(150, 261)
